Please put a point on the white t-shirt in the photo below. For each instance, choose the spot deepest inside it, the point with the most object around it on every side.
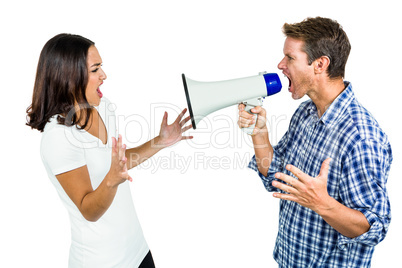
(116, 239)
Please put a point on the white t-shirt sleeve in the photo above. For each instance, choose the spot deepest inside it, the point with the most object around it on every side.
(60, 153)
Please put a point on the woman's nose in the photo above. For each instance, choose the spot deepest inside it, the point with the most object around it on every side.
(103, 75)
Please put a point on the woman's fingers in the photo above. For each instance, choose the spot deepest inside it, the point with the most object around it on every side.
(183, 122)
(121, 148)
(114, 144)
(119, 160)
(180, 116)
(186, 128)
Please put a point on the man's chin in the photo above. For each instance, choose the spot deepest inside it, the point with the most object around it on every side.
(296, 96)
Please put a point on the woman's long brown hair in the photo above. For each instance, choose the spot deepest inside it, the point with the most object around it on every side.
(60, 83)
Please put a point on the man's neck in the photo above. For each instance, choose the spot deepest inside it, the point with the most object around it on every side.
(326, 93)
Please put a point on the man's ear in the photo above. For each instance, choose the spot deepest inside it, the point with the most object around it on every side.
(321, 64)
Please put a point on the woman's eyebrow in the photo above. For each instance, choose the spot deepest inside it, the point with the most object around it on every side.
(96, 64)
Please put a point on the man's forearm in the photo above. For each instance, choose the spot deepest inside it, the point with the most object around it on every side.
(349, 222)
(263, 150)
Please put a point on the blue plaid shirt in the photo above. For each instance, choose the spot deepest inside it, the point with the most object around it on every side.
(361, 158)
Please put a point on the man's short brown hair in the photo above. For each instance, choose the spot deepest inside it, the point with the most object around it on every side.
(322, 37)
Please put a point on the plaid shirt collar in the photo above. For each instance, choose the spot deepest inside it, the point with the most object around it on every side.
(333, 114)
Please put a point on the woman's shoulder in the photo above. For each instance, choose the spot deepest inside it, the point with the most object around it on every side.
(57, 135)
(52, 126)
(60, 147)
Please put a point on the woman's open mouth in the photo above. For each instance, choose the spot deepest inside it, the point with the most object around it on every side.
(100, 94)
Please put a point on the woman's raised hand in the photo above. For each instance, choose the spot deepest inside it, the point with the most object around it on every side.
(118, 172)
(171, 134)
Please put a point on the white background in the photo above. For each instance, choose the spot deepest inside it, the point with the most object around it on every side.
(214, 212)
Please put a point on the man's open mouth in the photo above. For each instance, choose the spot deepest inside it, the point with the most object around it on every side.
(290, 81)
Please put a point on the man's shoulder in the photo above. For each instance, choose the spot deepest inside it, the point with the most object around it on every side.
(364, 122)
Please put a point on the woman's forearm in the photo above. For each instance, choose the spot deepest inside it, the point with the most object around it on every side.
(168, 135)
(137, 155)
(94, 204)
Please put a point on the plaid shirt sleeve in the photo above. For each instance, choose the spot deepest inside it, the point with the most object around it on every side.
(363, 188)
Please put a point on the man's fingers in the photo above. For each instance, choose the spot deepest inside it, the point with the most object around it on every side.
(289, 197)
(297, 172)
(325, 168)
(256, 109)
(284, 187)
(288, 179)
(246, 121)
(244, 124)
(246, 115)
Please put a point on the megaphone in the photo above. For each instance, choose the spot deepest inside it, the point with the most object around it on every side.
(204, 98)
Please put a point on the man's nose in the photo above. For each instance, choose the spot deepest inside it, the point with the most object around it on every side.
(281, 64)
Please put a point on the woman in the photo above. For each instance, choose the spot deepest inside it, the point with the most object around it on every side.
(85, 162)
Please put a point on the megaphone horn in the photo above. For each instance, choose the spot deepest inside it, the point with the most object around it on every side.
(204, 98)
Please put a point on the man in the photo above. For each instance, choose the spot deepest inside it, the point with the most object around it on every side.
(331, 167)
